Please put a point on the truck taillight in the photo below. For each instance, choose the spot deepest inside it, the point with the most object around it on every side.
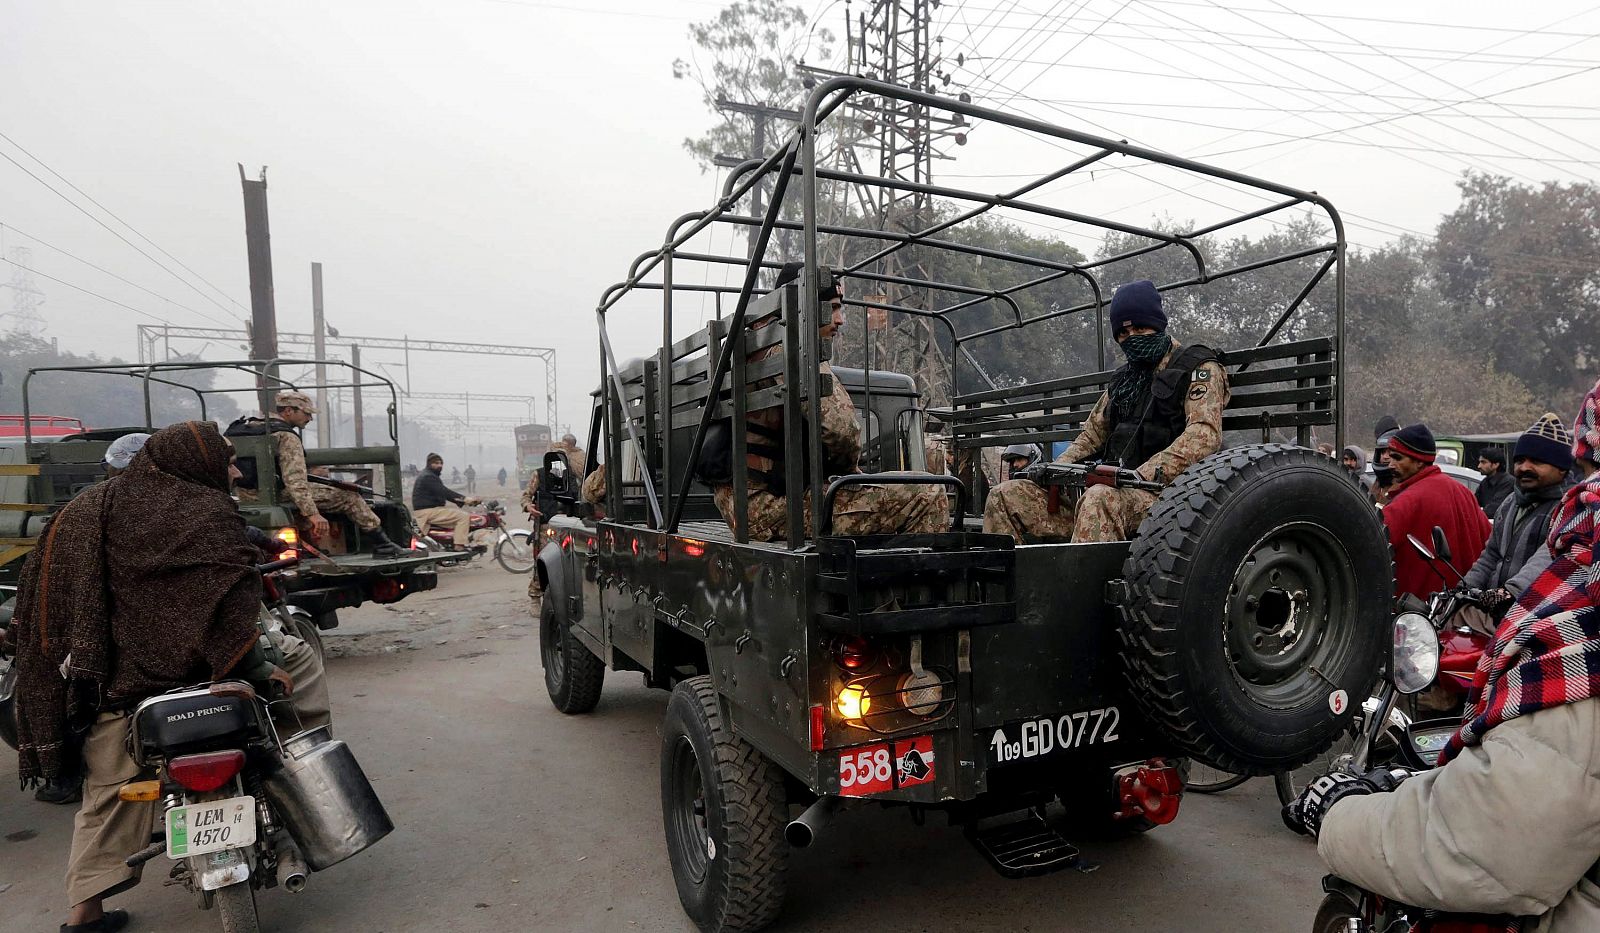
(819, 727)
(387, 590)
(206, 772)
(853, 653)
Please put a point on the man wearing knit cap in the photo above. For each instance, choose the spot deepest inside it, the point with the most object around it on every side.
(1160, 413)
(1424, 497)
(1515, 554)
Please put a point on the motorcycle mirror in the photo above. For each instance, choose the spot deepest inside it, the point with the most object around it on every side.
(1441, 546)
(1420, 548)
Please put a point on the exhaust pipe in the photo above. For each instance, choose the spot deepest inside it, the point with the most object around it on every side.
(802, 831)
(292, 870)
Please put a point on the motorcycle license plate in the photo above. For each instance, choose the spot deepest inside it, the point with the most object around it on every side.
(198, 828)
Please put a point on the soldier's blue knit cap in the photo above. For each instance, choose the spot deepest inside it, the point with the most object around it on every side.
(1137, 304)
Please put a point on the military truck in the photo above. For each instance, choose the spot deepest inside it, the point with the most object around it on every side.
(37, 478)
(1036, 694)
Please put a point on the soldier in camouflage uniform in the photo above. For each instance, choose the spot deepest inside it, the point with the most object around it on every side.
(1161, 412)
(857, 510)
(575, 461)
(312, 499)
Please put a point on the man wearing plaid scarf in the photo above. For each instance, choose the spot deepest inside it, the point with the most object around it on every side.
(1506, 831)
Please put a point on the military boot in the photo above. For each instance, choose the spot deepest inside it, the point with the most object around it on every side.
(382, 546)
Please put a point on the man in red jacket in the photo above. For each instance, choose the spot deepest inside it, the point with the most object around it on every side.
(1422, 497)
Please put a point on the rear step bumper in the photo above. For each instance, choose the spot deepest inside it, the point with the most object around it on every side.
(1023, 845)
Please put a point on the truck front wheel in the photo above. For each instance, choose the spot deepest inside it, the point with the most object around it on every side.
(572, 674)
(724, 809)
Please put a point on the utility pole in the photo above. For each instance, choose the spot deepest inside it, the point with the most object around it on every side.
(263, 313)
(320, 343)
(25, 296)
(759, 114)
(896, 34)
(355, 395)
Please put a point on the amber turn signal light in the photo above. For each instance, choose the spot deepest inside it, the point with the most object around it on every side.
(138, 791)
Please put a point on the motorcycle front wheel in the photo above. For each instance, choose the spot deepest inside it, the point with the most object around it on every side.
(517, 551)
(236, 907)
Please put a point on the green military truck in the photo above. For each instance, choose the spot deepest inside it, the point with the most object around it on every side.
(38, 477)
(1036, 694)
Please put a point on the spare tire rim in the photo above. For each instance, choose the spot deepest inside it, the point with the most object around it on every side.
(1288, 614)
(690, 830)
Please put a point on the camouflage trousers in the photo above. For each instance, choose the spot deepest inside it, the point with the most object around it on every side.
(1021, 509)
(329, 499)
(857, 510)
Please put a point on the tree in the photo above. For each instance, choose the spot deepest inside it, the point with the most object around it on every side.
(100, 401)
(1523, 264)
(751, 47)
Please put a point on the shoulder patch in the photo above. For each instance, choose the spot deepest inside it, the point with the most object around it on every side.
(1197, 392)
(1202, 374)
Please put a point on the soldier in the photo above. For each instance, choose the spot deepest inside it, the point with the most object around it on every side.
(295, 411)
(1161, 412)
(857, 510)
(575, 462)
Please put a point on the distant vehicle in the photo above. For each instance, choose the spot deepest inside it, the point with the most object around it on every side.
(40, 473)
(41, 428)
(533, 441)
(1466, 448)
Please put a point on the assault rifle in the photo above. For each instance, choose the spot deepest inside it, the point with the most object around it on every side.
(1077, 477)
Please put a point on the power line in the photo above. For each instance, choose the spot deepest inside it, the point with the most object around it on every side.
(71, 255)
(86, 291)
(81, 209)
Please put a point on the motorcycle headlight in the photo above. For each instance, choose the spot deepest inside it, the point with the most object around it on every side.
(1416, 652)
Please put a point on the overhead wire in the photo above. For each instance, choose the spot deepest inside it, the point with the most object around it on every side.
(125, 281)
(93, 294)
(113, 231)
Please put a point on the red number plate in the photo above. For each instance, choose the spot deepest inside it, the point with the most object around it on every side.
(865, 770)
(872, 769)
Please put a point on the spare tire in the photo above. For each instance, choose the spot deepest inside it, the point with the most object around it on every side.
(1255, 607)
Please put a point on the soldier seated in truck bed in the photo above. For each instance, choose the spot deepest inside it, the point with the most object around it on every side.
(858, 510)
(295, 411)
(1161, 412)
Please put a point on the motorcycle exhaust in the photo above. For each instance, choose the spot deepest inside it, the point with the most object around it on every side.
(292, 870)
(802, 831)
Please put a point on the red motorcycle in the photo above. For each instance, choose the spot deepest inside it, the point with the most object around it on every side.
(514, 548)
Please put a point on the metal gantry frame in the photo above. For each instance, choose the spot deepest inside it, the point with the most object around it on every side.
(798, 158)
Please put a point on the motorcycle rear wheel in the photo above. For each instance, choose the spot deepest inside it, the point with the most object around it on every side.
(236, 907)
(1334, 915)
(1204, 779)
(517, 552)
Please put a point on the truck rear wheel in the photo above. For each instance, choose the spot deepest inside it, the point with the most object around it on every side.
(723, 806)
(1257, 597)
(573, 676)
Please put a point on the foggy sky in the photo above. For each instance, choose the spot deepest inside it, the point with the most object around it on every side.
(481, 170)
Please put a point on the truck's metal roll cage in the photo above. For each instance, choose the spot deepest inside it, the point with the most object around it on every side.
(797, 158)
(264, 370)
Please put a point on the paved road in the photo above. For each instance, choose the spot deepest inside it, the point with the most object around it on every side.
(514, 817)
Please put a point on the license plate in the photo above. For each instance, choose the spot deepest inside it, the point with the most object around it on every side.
(199, 828)
(1035, 738)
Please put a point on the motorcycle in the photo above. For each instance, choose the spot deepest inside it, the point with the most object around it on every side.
(242, 807)
(1391, 740)
(8, 672)
(515, 549)
(1460, 649)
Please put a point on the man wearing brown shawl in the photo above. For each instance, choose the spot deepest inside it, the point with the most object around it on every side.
(114, 607)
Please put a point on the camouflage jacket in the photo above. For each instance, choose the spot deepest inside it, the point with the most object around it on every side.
(1202, 407)
(292, 472)
(575, 460)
